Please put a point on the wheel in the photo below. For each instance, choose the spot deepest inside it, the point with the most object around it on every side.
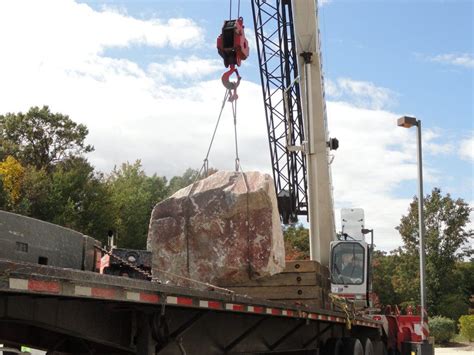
(379, 348)
(352, 346)
(333, 346)
(368, 346)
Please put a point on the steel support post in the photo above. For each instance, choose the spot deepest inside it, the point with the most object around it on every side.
(286, 335)
(244, 335)
(421, 227)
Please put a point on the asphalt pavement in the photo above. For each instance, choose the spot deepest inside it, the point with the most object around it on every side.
(465, 350)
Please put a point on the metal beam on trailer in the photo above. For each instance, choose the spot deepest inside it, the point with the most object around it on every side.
(185, 327)
(317, 336)
(287, 335)
(244, 335)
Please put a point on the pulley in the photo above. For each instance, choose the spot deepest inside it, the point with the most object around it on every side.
(233, 47)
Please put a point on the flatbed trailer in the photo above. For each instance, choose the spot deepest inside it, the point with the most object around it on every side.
(73, 311)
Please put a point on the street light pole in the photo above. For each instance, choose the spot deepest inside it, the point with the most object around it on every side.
(421, 226)
(371, 255)
(408, 122)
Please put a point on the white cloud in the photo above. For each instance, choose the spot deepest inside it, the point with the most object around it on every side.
(62, 31)
(324, 2)
(192, 68)
(361, 93)
(373, 160)
(458, 59)
(466, 148)
(431, 144)
(132, 112)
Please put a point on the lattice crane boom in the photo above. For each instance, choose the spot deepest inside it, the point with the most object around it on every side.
(289, 55)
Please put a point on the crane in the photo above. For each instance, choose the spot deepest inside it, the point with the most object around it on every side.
(290, 60)
(289, 56)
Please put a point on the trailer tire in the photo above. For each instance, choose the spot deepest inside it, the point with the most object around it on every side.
(352, 346)
(379, 348)
(368, 346)
(333, 346)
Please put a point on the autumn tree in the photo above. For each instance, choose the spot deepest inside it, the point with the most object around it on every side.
(296, 239)
(41, 138)
(11, 175)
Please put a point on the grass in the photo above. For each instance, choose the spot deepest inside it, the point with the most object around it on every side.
(456, 341)
(458, 338)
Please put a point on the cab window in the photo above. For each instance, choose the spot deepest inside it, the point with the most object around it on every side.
(348, 264)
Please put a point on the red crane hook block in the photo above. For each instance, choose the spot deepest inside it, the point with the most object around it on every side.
(232, 45)
(231, 85)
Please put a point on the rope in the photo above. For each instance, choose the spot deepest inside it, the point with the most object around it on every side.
(155, 279)
(345, 306)
(230, 9)
(205, 165)
(195, 281)
(206, 159)
(234, 113)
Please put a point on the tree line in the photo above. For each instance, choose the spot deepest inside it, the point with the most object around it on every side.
(44, 173)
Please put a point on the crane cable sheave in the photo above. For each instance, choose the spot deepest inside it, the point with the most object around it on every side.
(233, 47)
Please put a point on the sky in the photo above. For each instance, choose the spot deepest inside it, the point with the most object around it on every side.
(144, 77)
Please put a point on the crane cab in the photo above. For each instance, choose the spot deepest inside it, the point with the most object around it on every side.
(350, 260)
(349, 271)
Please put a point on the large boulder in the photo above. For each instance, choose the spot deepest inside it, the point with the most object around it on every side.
(224, 229)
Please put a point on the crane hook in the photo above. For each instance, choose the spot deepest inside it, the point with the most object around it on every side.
(231, 85)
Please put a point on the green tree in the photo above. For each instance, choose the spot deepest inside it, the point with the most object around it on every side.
(36, 187)
(178, 182)
(447, 232)
(383, 266)
(80, 199)
(465, 275)
(134, 194)
(190, 176)
(41, 138)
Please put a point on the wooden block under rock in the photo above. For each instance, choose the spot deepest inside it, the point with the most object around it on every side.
(280, 292)
(303, 282)
(284, 279)
(302, 266)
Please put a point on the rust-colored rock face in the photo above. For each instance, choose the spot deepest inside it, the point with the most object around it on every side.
(224, 229)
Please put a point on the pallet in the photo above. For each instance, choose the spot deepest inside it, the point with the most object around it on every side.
(303, 282)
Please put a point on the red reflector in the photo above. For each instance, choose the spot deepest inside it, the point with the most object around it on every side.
(43, 286)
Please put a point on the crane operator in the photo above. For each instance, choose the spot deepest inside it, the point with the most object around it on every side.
(348, 264)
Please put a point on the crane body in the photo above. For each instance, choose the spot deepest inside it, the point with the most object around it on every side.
(320, 201)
